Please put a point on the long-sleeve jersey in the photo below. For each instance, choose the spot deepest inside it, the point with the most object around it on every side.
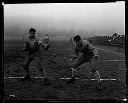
(34, 46)
(31, 45)
(86, 48)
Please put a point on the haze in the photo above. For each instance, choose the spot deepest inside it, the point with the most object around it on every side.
(64, 19)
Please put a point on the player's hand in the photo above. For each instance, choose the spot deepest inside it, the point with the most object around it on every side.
(39, 42)
(96, 57)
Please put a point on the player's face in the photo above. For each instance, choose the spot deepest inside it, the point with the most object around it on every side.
(32, 34)
(77, 42)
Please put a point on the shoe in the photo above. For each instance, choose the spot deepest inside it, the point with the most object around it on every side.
(72, 80)
(27, 77)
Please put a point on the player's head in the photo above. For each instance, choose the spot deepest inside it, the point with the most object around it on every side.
(32, 32)
(77, 38)
(46, 37)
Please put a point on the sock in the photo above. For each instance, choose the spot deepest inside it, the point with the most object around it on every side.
(97, 75)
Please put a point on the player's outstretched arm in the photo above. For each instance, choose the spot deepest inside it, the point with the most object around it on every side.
(76, 54)
(26, 47)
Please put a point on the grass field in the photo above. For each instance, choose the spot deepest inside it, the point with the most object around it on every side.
(57, 66)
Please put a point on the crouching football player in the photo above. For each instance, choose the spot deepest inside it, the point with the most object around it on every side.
(32, 49)
(89, 54)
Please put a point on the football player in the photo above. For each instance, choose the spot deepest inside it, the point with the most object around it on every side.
(89, 54)
(32, 50)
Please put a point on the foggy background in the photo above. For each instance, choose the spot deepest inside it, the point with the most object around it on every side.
(63, 20)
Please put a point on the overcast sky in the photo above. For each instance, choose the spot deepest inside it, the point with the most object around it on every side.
(100, 18)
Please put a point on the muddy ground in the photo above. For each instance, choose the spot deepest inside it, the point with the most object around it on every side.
(57, 65)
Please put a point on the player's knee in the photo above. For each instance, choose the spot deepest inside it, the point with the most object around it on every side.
(93, 71)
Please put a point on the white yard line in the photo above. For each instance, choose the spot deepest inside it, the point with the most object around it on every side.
(113, 60)
(111, 52)
(12, 45)
(66, 78)
(92, 79)
(104, 60)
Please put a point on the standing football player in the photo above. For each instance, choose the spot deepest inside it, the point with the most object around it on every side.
(46, 42)
(32, 50)
(89, 54)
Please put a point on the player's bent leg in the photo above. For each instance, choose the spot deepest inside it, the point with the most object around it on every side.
(27, 77)
(96, 73)
(97, 76)
(39, 64)
(26, 63)
(74, 68)
(73, 71)
(41, 69)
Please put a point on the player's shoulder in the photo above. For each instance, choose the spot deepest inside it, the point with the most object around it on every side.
(85, 41)
(27, 39)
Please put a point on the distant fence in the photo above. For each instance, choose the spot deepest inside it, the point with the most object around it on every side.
(108, 40)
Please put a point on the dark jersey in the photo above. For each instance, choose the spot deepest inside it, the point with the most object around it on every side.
(86, 48)
(31, 45)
